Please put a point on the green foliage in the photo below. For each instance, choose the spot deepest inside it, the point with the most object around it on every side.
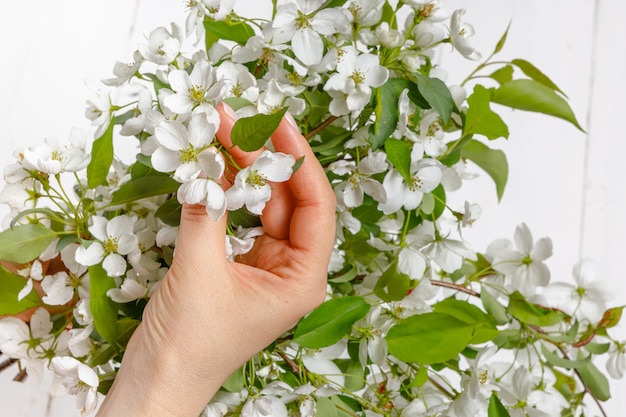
(232, 30)
(496, 408)
(437, 95)
(595, 381)
(330, 322)
(531, 95)
(11, 285)
(533, 314)
(25, 242)
(399, 154)
(492, 161)
(480, 119)
(103, 309)
(144, 187)
(251, 133)
(101, 158)
(429, 338)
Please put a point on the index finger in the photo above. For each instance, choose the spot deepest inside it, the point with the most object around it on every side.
(312, 226)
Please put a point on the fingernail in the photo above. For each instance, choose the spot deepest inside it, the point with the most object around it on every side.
(229, 111)
(291, 121)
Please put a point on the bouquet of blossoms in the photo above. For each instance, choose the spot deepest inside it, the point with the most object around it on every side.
(416, 322)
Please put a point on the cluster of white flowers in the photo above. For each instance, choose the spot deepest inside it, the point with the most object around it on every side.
(389, 131)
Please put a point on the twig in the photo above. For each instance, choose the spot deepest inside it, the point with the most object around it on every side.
(4, 365)
(320, 127)
(295, 368)
(21, 376)
(455, 287)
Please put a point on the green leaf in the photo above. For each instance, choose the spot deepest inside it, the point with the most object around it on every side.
(556, 360)
(595, 381)
(235, 382)
(533, 96)
(169, 212)
(25, 242)
(429, 338)
(331, 321)
(11, 285)
(103, 308)
(230, 30)
(437, 95)
(386, 110)
(496, 310)
(353, 372)
(611, 317)
(392, 285)
(318, 103)
(144, 187)
(101, 158)
(324, 406)
(251, 133)
(335, 3)
(480, 119)
(597, 348)
(496, 408)
(492, 161)
(503, 75)
(533, 72)
(533, 314)
(399, 154)
(237, 103)
(502, 40)
(484, 328)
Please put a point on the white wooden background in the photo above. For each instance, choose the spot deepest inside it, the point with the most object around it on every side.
(563, 183)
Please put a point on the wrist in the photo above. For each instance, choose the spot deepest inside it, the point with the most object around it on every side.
(155, 380)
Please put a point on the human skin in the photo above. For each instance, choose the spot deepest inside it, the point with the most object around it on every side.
(208, 315)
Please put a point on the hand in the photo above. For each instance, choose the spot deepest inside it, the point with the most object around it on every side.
(208, 315)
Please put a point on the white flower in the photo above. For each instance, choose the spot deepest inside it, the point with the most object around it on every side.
(616, 362)
(242, 242)
(130, 290)
(586, 299)
(216, 9)
(78, 379)
(163, 46)
(365, 12)
(459, 34)
(99, 112)
(183, 148)
(411, 260)
(58, 288)
(124, 71)
(351, 87)
(31, 345)
(524, 265)
(351, 191)
(300, 24)
(251, 186)
(115, 238)
(256, 48)
(274, 98)
(193, 90)
(54, 156)
(240, 82)
(425, 177)
(137, 124)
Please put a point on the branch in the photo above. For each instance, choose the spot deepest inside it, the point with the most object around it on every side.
(455, 287)
(320, 127)
(295, 368)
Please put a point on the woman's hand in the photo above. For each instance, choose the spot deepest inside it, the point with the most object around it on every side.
(208, 315)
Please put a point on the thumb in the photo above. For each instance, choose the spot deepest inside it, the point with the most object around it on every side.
(201, 241)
